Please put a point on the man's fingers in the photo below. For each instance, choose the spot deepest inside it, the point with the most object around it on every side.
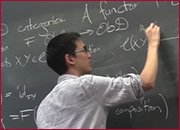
(152, 25)
(155, 27)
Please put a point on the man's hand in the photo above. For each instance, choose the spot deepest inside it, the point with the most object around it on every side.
(153, 34)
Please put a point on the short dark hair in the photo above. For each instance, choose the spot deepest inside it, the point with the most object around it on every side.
(57, 48)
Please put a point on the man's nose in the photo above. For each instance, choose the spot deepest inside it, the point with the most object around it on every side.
(89, 55)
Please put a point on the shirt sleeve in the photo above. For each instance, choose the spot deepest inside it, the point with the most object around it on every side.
(113, 91)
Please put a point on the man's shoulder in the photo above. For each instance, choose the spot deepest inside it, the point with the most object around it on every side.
(96, 78)
(86, 76)
(89, 77)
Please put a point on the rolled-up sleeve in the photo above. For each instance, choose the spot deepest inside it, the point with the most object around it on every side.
(114, 91)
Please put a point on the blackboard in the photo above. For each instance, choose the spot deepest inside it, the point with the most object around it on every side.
(114, 34)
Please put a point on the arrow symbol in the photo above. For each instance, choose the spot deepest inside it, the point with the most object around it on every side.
(87, 31)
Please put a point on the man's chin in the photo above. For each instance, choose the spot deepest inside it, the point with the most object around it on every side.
(89, 72)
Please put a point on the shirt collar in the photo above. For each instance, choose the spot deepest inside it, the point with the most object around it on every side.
(66, 77)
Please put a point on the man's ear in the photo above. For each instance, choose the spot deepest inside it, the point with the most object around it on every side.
(69, 59)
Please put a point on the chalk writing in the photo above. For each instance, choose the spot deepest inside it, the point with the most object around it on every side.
(4, 48)
(42, 25)
(8, 94)
(88, 31)
(22, 114)
(142, 28)
(173, 3)
(35, 113)
(121, 9)
(92, 49)
(6, 63)
(86, 15)
(157, 3)
(166, 105)
(24, 60)
(33, 39)
(170, 38)
(30, 40)
(2, 124)
(135, 70)
(120, 73)
(121, 25)
(144, 107)
(4, 29)
(23, 93)
(132, 43)
(48, 38)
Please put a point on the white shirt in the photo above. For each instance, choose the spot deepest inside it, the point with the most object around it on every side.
(83, 102)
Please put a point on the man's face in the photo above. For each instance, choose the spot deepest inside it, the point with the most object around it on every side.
(82, 61)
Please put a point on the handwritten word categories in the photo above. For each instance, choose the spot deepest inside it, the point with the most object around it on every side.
(144, 107)
(121, 9)
(42, 25)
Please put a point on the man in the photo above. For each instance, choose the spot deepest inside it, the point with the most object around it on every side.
(81, 100)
